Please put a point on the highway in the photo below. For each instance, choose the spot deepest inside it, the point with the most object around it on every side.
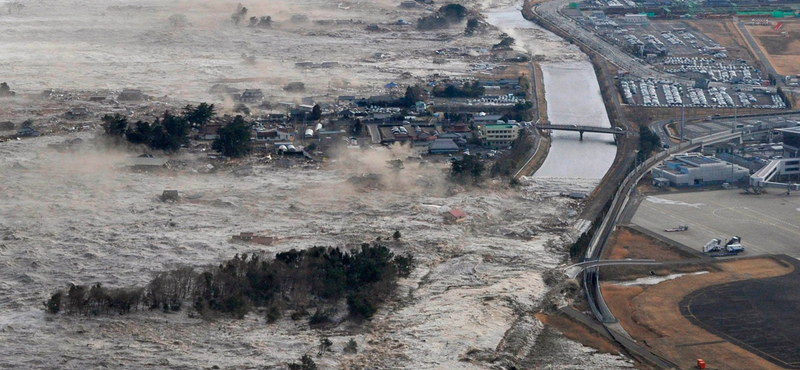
(726, 121)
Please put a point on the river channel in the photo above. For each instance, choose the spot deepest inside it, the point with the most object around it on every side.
(573, 98)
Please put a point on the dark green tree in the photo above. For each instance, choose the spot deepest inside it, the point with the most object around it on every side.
(468, 166)
(140, 134)
(115, 125)
(234, 139)
(53, 305)
(169, 134)
(200, 115)
(306, 363)
(316, 113)
(648, 142)
(413, 95)
(453, 13)
(357, 128)
(396, 235)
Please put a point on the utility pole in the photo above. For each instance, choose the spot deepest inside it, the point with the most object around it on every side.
(735, 118)
(682, 122)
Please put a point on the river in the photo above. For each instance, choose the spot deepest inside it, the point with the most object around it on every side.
(573, 97)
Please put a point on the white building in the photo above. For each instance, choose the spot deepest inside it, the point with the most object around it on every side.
(500, 134)
(777, 168)
(639, 18)
(695, 169)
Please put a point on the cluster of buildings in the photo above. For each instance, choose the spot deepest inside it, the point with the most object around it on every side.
(765, 164)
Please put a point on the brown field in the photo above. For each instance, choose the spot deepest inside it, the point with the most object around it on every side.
(652, 316)
(725, 33)
(783, 52)
(629, 243)
(579, 332)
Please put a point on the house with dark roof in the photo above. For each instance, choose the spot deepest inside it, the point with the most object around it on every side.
(443, 146)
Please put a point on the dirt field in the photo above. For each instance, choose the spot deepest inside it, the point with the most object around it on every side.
(579, 332)
(783, 52)
(629, 243)
(653, 317)
(724, 32)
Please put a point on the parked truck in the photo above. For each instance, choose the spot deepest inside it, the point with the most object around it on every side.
(730, 248)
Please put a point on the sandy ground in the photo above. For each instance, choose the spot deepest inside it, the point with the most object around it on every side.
(74, 218)
(783, 52)
(652, 316)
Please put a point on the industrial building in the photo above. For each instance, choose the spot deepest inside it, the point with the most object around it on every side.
(791, 141)
(499, 135)
(695, 169)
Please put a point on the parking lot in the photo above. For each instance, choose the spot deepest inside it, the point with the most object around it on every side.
(652, 93)
(675, 37)
(767, 223)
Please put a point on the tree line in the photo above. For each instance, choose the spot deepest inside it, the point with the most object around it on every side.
(170, 132)
(297, 280)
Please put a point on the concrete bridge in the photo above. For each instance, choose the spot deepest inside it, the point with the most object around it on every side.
(582, 129)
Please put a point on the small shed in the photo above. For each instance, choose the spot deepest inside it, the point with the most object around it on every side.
(660, 182)
(455, 216)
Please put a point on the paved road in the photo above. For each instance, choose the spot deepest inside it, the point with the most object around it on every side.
(573, 270)
(618, 206)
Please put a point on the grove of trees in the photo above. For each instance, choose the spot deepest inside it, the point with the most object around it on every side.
(296, 280)
(466, 167)
(648, 142)
(234, 139)
(167, 133)
(468, 90)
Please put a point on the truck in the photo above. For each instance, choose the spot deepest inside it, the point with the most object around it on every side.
(679, 228)
(731, 248)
